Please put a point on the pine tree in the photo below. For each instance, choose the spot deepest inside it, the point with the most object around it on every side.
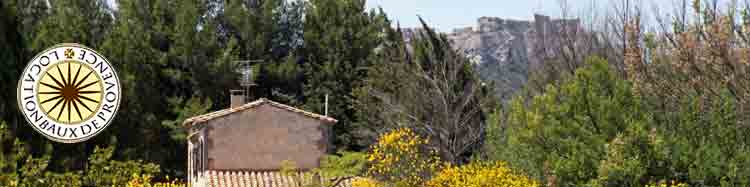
(339, 39)
(12, 59)
(432, 89)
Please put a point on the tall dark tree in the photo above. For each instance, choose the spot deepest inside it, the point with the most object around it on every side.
(432, 89)
(339, 38)
(172, 66)
(12, 55)
(42, 24)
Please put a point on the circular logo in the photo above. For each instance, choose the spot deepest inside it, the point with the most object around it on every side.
(69, 93)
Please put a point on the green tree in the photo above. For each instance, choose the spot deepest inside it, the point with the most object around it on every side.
(270, 31)
(593, 130)
(562, 134)
(172, 65)
(433, 89)
(73, 21)
(50, 23)
(704, 145)
(103, 171)
(133, 47)
(12, 58)
(339, 38)
(22, 169)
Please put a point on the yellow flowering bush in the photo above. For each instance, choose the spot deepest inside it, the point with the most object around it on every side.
(402, 158)
(480, 174)
(667, 184)
(145, 181)
(365, 182)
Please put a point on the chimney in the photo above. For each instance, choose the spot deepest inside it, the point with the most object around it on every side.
(237, 98)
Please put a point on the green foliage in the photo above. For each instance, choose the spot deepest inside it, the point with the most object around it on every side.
(432, 89)
(282, 82)
(700, 146)
(629, 158)
(571, 124)
(11, 154)
(496, 131)
(12, 55)
(103, 171)
(73, 21)
(22, 169)
(706, 147)
(160, 53)
(348, 164)
(329, 175)
(175, 59)
(333, 167)
(594, 131)
(184, 110)
(339, 38)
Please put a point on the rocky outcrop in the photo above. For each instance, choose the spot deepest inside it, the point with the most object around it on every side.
(505, 50)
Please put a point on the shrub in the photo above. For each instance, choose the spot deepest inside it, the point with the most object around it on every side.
(146, 181)
(480, 174)
(401, 157)
(366, 182)
(667, 184)
(348, 164)
(19, 168)
(104, 171)
(561, 136)
(593, 130)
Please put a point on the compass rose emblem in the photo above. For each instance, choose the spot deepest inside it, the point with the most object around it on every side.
(69, 93)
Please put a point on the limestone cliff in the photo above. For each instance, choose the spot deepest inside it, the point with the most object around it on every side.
(505, 50)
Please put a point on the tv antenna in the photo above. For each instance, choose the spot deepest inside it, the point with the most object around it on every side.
(247, 80)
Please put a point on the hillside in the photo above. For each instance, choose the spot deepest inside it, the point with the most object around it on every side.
(505, 49)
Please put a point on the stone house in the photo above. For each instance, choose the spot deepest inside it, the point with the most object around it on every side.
(245, 144)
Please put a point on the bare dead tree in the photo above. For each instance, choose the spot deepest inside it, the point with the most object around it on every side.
(432, 90)
(592, 33)
(700, 50)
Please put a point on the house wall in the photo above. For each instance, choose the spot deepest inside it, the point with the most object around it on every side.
(262, 137)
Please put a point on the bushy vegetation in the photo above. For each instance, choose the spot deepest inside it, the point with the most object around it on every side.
(402, 159)
(595, 131)
(431, 89)
(478, 174)
(146, 181)
(22, 169)
(671, 110)
(573, 124)
(177, 59)
(635, 108)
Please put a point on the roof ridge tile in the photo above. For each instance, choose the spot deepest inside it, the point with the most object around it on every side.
(224, 112)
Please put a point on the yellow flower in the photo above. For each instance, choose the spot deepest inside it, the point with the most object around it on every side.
(145, 181)
(401, 157)
(480, 174)
(365, 182)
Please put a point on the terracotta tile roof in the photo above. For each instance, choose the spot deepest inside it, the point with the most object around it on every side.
(256, 179)
(259, 102)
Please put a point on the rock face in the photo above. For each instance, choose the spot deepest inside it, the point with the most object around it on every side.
(505, 50)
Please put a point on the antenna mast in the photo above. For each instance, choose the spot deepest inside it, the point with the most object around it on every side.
(247, 80)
